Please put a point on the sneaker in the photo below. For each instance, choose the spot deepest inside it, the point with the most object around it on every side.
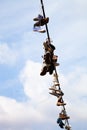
(63, 116)
(60, 122)
(56, 93)
(38, 18)
(44, 21)
(38, 29)
(60, 101)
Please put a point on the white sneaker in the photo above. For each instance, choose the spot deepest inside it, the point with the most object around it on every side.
(38, 29)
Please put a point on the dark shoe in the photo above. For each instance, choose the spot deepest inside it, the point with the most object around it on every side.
(44, 70)
(44, 21)
(60, 122)
(51, 69)
(38, 18)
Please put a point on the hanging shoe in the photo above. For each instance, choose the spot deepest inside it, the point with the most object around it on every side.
(38, 18)
(63, 116)
(60, 122)
(38, 29)
(60, 101)
(44, 70)
(44, 21)
(57, 93)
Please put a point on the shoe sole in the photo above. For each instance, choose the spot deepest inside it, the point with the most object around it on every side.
(55, 94)
(61, 104)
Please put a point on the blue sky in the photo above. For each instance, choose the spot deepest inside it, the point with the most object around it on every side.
(25, 102)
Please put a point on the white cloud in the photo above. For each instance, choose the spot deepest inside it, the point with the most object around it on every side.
(18, 113)
(73, 84)
(34, 85)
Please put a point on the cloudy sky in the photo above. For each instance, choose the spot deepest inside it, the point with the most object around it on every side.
(25, 102)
